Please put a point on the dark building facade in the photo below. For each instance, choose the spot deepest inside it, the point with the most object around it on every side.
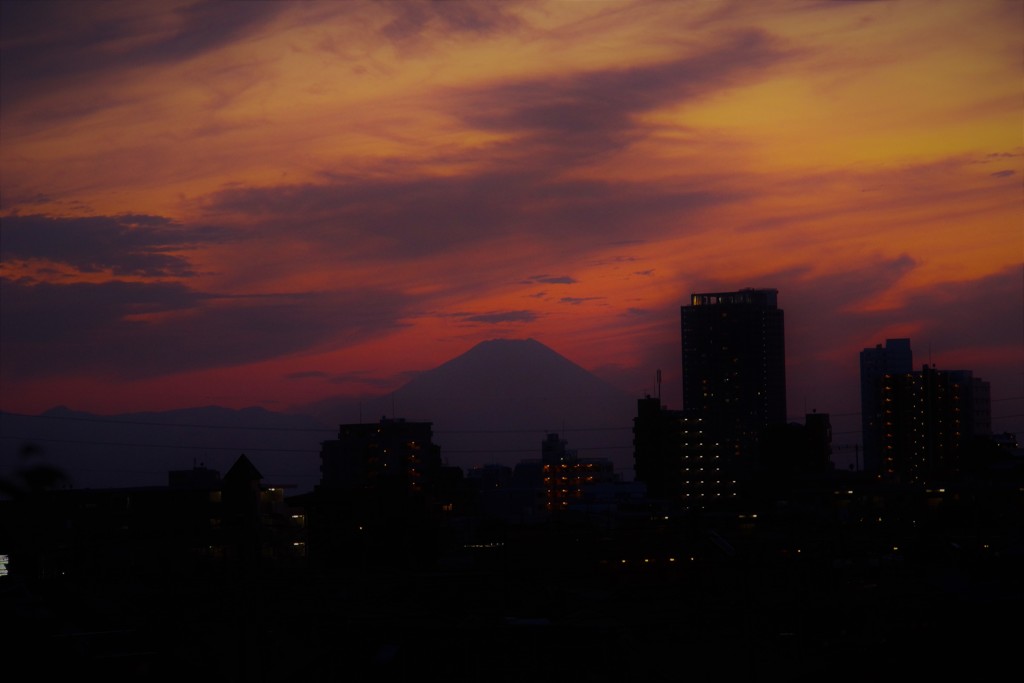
(819, 439)
(383, 491)
(198, 525)
(734, 367)
(929, 421)
(676, 460)
(798, 450)
(390, 455)
(893, 358)
(568, 479)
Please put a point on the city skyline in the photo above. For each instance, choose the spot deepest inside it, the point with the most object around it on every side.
(538, 392)
(270, 204)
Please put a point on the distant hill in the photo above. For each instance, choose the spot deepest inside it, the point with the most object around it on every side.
(139, 449)
(496, 402)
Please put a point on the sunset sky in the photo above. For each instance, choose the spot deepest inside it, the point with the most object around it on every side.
(268, 203)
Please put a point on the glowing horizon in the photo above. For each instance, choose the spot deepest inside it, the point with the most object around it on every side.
(271, 203)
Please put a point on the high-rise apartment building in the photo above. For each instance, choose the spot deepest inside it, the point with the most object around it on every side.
(734, 367)
(568, 479)
(676, 460)
(390, 456)
(894, 358)
(929, 419)
(383, 491)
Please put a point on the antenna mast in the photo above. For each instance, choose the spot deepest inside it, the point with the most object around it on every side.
(658, 382)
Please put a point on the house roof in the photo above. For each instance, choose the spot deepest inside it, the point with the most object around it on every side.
(243, 470)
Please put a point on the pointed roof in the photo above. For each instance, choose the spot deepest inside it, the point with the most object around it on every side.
(243, 470)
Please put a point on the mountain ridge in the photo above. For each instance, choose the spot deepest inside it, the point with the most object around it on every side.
(525, 366)
(493, 403)
(497, 401)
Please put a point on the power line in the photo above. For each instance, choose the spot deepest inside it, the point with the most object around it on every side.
(322, 430)
(86, 442)
(531, 431)
(146, 423)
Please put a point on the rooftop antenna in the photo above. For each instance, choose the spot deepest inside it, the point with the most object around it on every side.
(658, 381)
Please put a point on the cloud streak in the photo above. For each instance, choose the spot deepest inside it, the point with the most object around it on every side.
(55, 45)
(139, 245)
(135, 329)
(329, 197)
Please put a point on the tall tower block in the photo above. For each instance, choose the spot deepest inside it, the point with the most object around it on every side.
(734, 366)
(894, 358)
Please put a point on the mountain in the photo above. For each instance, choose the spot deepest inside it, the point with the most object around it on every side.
(496, 402)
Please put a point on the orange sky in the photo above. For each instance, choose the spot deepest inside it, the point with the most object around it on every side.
(269, 203)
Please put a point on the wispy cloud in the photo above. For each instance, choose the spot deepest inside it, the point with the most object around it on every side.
(575, 116)
(499, 317)
(577, 300)
(123, 245)
(414, 21)
(52, 45)
(134, 329)
(360, 189)
(551, 279)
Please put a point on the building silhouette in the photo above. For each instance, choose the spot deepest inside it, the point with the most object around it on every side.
(894, 358)
(676, 459)
(930, 419)
(210, 577)
(383, 492)
(390, 455)
(197, 525)
(734, 368)
(556, 484)
(918, 425)
(793, 454)
(570, 481)
(819, 439)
